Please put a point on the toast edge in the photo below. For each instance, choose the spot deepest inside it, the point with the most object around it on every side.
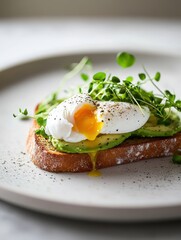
(47, 158)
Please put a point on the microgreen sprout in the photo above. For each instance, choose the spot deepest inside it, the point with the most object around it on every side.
(177, 157)
(22, 114)
(77, 69)
(125, 59)
(103, 86)
(53, 100)
(84, 76)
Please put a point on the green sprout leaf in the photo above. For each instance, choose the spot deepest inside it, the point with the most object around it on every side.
(101, 76)
(142, 76)
(41, 121)
(129, 79)
(171, 97)
(84, 76)
(115, 79)
(41, 131)
(23, 114)
(178, 105)
(157, 76)
(177, 157)
(125, 59)
(80, 90)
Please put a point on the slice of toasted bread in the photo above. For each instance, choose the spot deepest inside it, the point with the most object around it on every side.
(46, 157)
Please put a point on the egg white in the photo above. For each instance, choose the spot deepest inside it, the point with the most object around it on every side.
(117, 117)
(121, 117)
(61, 119)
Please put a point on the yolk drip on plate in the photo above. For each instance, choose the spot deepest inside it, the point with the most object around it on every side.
(94, 172)
(86, 122)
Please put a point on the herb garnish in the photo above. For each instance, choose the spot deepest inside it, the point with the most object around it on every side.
(53, 99)
(105, 87)
(177, 157)
(125, 59)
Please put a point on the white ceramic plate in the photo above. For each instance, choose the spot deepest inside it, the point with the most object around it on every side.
(146, 190)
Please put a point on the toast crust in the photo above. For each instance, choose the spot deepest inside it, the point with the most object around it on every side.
(46, 157)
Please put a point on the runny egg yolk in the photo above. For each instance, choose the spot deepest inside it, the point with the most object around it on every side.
(86, 122)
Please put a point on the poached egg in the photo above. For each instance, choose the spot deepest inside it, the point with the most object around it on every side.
(80, 117)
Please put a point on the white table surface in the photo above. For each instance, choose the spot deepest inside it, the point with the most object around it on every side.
(22, 40)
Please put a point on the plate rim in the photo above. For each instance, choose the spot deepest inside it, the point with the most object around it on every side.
(20, 194)
(88, 52)
(98, 213)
